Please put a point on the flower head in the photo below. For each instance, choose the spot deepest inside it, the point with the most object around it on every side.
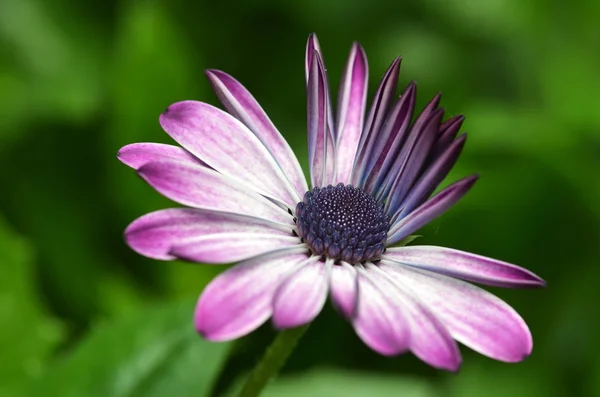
(371, 174)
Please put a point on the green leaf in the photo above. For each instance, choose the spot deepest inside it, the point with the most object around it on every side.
(155, 352)
(28, 335)
(332, 383)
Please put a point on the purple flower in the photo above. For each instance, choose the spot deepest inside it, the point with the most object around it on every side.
(247, 201)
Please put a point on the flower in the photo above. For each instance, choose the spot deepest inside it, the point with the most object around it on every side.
(248, 201)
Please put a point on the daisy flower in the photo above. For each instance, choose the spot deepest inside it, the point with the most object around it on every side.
(371, 175)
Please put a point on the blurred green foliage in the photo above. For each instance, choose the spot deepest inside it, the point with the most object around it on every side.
(78, 80)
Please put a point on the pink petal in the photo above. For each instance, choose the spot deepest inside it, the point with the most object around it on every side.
(378, 322)
(240, 103)
(228, 146)
(301, 296)
(429, 210)
(429, 338)
(344, 289)
(320, 140)
(465, 265)
(231, 247)
(136, 155)
(204, 188)
(352, 101)
(154, 234)
(473, 316)
(239, 300)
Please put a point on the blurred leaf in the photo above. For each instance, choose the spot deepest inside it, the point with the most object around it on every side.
(332, 383)
(28, 335)
(155, 352)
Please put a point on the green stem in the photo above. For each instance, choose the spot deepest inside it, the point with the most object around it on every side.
(273, 360)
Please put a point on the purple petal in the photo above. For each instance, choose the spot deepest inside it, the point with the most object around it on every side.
(473, 316)
(378, 322)
(240, 103)
(433, 176)
(319, 135)
(301, 296)
(351, 111)
(204, 188)
(136, 155)
(344, 289)
(154, 234)
(228, 146)
(412, 158)
(379, 109)
(389, 141)
(465, 265)
(448, 131)
(429, 338)
(312, 46)
(239, 300)
(429, 210)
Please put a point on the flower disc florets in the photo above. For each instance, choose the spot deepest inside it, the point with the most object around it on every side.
(343, 223)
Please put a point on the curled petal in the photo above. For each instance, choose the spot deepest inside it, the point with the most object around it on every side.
(473, 316)
(239, 300)
(204, 188)
(154, 234)
(240, 103)
(136, 155)
(351, 111)
(429, 210)
(228, 146)
(465, 265)
(301, 296)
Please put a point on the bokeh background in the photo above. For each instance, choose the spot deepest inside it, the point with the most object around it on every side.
(82, 315)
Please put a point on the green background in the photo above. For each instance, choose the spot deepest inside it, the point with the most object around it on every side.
(82, 315)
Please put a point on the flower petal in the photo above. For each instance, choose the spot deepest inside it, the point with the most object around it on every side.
(204, 188)
(448, 131)
(352, 100)
(473, 316)
(136, 155)
(239, 300)
(429, 338)
(428, 211)
(154, 234)
(377, 322)
(320, 141)
(344, 289)
(433, 176)
(379, 109)
(241, 104)
(230, 247)
(411, 160)
(225, 144)
(465, 265)
(389, 140)
(301, 296)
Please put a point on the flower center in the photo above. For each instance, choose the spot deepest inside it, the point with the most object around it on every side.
(342, 222)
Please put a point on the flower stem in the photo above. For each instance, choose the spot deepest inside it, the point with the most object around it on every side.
(273, 360)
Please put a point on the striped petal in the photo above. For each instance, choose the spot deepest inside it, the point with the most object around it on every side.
(136, 155)
(351, 111)
(230, 247)
(465, 265)
(429, 210)
(473, 316)
(378, 322)
(429, 338)
(154, 234)
(301, 296)
(239, 300)
(204, 188)
(228, 146)
(241, 104)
